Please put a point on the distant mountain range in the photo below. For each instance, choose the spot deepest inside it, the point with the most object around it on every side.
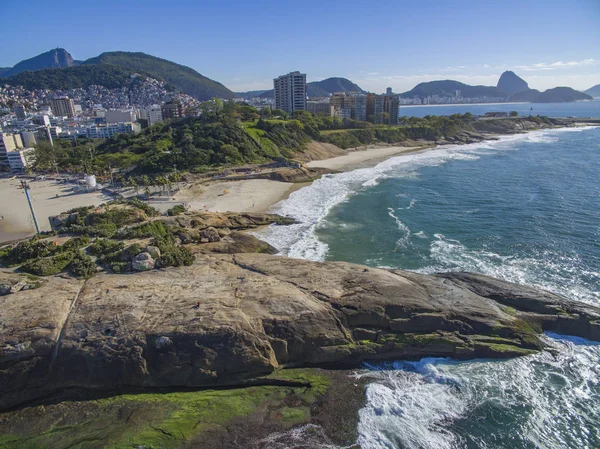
(450, 88)
(510, 87)
(556, 95)
(314, 89)
(56, 69)
(594, 91)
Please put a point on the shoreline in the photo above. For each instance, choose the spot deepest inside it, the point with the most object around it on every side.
(248, 195)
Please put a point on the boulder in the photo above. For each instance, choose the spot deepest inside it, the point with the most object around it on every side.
(230, 318)
(153, 251)
(143, 262)
(210, 234)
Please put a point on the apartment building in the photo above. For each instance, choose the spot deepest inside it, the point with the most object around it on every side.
(290, 92)
(382, 109)
(8, 143)
(152, 114)
(109, 130)
(62, 107)
(319, 107)
(112, 116)
(172, 110)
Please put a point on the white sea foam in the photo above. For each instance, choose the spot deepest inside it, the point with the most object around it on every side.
(432, 403)
(311, 204)
(558, 273)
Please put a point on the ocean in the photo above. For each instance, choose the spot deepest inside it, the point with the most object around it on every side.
(525, 208)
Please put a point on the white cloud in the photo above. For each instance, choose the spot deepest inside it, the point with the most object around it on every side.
(544, 66)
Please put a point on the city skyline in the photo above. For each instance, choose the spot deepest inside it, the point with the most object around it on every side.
(244, 46)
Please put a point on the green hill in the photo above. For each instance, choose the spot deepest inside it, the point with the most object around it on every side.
(556, 95)
(448, 88)
(593, 91)
(178, 77)
(81, 76)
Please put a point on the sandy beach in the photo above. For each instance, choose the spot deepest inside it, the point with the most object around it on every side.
(252, 195)
(361, 158)
(17, 222)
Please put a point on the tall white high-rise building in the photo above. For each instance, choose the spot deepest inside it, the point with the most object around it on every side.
(290, 92)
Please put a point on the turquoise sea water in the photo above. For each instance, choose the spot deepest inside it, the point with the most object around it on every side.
(524, 208)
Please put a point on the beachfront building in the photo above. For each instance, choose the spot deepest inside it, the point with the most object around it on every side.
(62, 107)
(382, 109)
(319, 107)
(21, 158)
(349, 105)
(8, 143)
(290, 92)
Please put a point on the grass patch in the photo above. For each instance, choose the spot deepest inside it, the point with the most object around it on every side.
(166, 421)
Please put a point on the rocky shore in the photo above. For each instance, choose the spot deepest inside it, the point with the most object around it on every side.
(238, 344)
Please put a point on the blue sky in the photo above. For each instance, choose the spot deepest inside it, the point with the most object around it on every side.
(378, 43)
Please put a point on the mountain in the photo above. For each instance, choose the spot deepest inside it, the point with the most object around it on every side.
(511, 84)
(53, 59)
(82, 76)
(4, 70)
(314, 89)
(593, 91)
(178, 77)
(448, 88)
(331, 85)
(556, 95)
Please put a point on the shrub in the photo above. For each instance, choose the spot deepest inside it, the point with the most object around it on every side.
(119, 267)
(75, 243)
(101, 230)
(150, 229)
(104, 247)
(148, 210)
(82, 266)
(176, 210)
(172, 255)
(133, 250)
(118, 217)
(30, 249)
(50, 265)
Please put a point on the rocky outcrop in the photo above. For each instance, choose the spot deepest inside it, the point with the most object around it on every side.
(230, 318)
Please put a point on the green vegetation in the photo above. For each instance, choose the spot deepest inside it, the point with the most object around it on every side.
(177, 77)
(83, 76)
(82, 265)
(114, 219)
(49, 266)
(149, 229)
(169, 420)
(176, 210)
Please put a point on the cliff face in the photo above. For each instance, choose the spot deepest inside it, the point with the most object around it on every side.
(231, 318)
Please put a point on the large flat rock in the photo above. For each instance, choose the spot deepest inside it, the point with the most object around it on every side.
(230, 318)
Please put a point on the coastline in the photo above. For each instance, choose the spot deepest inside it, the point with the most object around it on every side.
(247, 195)
(259, 195)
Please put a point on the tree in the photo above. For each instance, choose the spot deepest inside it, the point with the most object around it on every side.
(513, 114)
